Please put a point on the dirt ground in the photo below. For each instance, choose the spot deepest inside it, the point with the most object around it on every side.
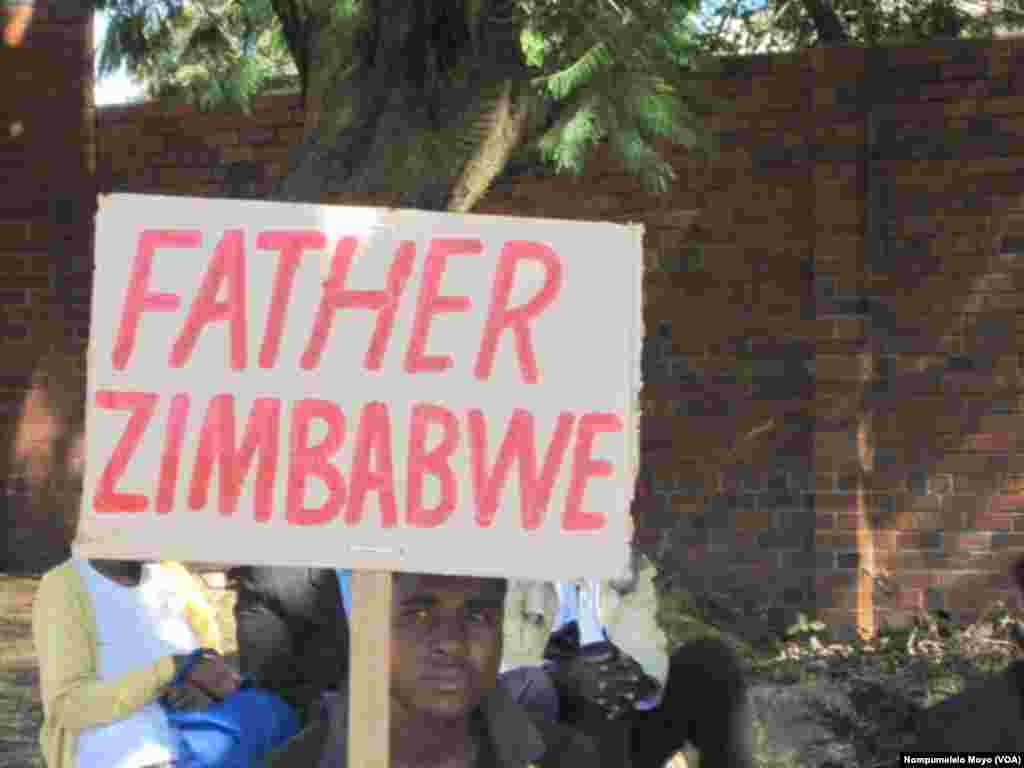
(20, 708)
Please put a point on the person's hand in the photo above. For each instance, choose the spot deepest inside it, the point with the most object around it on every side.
(186, 698)
(214, 676)
(602, 674)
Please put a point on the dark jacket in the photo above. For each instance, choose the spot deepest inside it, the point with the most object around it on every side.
(510, 738)
(292, 632)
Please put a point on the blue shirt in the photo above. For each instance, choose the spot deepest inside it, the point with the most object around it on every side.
(581, 606)
(345, 582)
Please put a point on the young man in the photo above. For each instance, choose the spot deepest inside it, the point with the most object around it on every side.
(286, 616)
(447, 710)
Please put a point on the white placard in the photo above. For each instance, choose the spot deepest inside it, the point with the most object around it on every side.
(286, 384)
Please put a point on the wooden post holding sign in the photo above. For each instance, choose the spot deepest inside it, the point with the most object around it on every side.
(369, 671)
(376, 389)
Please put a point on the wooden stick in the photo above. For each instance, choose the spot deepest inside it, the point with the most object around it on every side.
(370, 671)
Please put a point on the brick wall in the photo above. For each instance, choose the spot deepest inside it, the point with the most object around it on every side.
(47, 152)
(832, 354)
(831, 360)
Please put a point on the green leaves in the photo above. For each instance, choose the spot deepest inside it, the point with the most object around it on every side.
(208, 39)
(619, 70)
(565, 145)
(535, 47)
(583, 71)
(210, 53)
(804, 627)
(737, 27)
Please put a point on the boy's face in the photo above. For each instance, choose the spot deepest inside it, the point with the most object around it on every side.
(445, 644)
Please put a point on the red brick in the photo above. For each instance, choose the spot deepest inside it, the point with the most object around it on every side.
(918, 580)
(964, 463)
(829, 582)
(24, 264)
(837, 368)
(15, 234)
(1006, 105)
(951, 89)
(826, 540)
(838, 503)
(824, 329)
(906, 560)
(828, 63)
(912, 541)
(753, 519)
(983, 520)
(849, 329)
(848, 521)
(1006, 503)
(289, 134)
(973, 482)
(237, 154)
(835, 445)
(834, 617)
(987, 443)
(824, 481)
(909, 598)
(966, 542)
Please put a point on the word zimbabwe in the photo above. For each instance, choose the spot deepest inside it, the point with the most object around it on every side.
(373, 464)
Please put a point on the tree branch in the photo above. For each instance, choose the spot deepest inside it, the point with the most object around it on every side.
(829, 27)
(295, 27)
(507, 124)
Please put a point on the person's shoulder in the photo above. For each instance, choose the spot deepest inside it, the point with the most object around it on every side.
(176, 569)
(60, 578)
(61, 593)
(184, 580)
(303, 749)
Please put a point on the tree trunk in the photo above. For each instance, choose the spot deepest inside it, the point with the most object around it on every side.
(826, 21)
(424, 116)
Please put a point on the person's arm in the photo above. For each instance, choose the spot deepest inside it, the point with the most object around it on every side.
(266, 651)
(290, 628)
(73, 697)
(198, 606)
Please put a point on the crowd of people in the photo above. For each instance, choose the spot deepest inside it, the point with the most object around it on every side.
(484, 673)
(127, 649)
(637, 713)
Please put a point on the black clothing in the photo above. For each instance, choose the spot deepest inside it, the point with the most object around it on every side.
(292, 631)
(293, 639)
(509, 737)
(705, 704)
